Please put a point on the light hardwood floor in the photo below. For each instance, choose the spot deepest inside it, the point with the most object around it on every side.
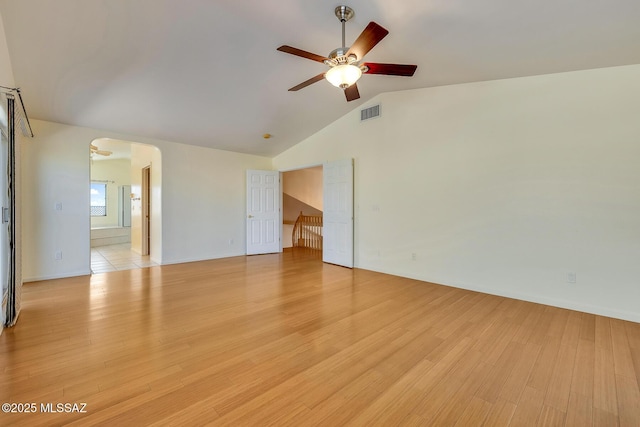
(286, 340)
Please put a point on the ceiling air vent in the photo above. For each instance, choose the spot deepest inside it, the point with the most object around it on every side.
(370, 113)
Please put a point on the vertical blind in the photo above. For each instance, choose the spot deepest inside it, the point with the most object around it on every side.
(14, 124)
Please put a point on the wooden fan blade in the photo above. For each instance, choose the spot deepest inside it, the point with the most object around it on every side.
(390, 69)
(103, 152)
(307, 82)
(302, 53)
(352, 92)
(369, 37)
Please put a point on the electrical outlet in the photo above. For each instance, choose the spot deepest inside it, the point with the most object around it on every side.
(230, 242)
(414, 256)
(58, 255)
(571, 277)
(58, 206)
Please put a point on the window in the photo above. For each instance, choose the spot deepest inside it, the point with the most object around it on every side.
(98, 199)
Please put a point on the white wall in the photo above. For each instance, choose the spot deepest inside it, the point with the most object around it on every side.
(207, 208)
(6, 72)
(116, 172)
(201, 195)
(503, 186)
(55, 169)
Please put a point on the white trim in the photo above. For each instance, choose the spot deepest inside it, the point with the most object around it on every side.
(208, 258)
(57, 276)
(553, 302)
(297, 168)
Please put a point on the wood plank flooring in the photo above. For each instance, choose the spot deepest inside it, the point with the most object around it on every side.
(287, 340)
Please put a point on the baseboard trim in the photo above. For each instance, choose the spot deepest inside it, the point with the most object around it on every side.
(560, 303)
(56, 276)
(208, 258)
(554, 302)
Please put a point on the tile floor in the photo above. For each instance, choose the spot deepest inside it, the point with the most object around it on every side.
(117, 257)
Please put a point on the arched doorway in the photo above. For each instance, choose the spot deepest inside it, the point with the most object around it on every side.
(124, 187)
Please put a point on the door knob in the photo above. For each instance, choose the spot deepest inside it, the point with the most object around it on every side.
(250, 216)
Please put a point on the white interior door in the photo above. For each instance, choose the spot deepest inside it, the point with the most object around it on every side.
(263, 212)
(337, 247)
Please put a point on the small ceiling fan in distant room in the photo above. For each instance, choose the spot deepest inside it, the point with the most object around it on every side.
(95, 150)
(345, 62)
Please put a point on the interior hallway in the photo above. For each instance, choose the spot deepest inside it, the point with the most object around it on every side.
(105, 259)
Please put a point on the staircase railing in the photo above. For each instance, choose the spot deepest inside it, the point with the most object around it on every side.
(307, 231)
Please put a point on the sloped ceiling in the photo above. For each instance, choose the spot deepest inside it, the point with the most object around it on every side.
(207, 72)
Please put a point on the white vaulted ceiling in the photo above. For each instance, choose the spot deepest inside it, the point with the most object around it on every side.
(207, 72)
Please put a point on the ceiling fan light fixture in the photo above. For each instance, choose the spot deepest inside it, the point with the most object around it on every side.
(344, 75)
(344, 63)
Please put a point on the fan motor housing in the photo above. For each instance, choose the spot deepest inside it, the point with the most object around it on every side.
(339, 56)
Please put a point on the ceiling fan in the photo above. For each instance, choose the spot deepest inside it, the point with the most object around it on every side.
(95, 150)
(345, 62)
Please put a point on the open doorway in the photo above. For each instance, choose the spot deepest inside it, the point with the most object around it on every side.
(302, 210)
(336, 223)
(121, 205)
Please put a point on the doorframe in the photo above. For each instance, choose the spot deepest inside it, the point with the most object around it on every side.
(146, 210)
